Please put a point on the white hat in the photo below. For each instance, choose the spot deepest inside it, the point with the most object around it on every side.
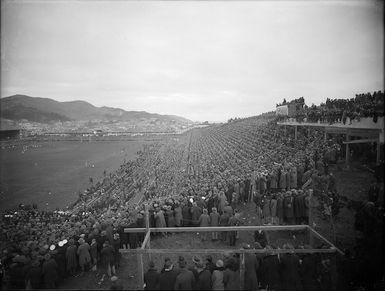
(61, 243)
(52, 247)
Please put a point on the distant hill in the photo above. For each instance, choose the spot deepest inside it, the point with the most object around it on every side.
(45, 110)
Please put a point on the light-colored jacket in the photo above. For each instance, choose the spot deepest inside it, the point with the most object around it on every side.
(217, 280)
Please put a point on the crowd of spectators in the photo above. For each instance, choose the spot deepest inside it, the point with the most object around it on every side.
(269, 271)
(197, 179)
(343, 110)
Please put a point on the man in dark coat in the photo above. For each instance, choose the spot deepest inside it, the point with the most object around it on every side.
(209, 264)
(271, 273)
(185, 279)
(204, 277)
(60, 259)
(34, 275)
(290, 271)
(280, 213)
(186, 214)
(288, 208)
(308, 271)
(167, 276)
(224, 221)
(251, 267)
(108, 259)
(49, 271)
(151, 278)
(17, 273)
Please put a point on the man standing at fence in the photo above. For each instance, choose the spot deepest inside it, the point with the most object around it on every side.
(214, 221)
(251, 267)
(204, 221)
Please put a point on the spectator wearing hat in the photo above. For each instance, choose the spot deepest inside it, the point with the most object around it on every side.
(204, 221)
(94, 254)
(196, 212)
(107, 258)
(217, 276)
(221, 202)
(273, 209)
(160, 221)
(34, 275)
(170, 216)
(290, 270)
(185, 279)
(233, 221)
(100, 240)
(210, 264)
(61, 259)
(151, 278)
(83, 254)
(308, 270)
(231, 275)
(167, 276)
(224, 221)
(280, 210)
(49, 272)
(17, 273)
(186, 213)
(116, 246)
(178, 214)
(214, 221)
(251, 268)
(266, 209)
(271, 268)
(288, 208)
(203, 281)
(71, 257)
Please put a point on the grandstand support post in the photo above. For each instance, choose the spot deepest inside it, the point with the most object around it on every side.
(295, 132)
(347, 154)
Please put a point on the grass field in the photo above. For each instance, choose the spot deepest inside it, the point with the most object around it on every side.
(50, 174)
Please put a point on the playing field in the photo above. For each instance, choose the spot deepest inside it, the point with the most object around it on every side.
(50, 174)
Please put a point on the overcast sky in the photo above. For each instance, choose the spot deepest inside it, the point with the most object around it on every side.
(197, 59)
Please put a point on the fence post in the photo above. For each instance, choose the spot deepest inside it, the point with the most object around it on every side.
(347, 153)
(310, 222)
(147, 219)
(242, 270)
(139, 258)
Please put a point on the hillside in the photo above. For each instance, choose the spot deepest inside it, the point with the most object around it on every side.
(45, 110)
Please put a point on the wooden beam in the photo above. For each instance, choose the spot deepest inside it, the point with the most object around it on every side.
(146, 239)
(237, 251)
(219, 228)
(326, 240)
(134, 230)
(229, 228)
(361, 141)
(139, 258)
